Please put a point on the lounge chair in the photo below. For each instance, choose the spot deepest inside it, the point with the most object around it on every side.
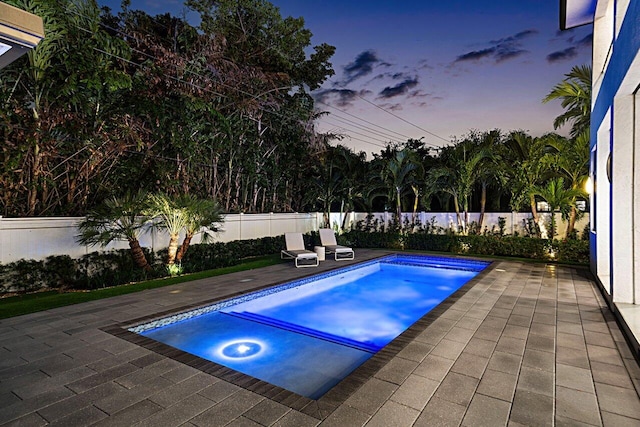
(295, 249)
(328, 240)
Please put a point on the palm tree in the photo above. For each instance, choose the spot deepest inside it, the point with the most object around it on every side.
(399, 173)
(572, 162)
(328, 185)
(117, 219)
(489, 169)
(170, 216)
(458, 175)
(575, 93)
(200, 213)
(558, 197)
(526, 169)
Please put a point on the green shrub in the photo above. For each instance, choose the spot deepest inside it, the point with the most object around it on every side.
(375, 239)
(572, 251)
(432, 242)
(104, 269)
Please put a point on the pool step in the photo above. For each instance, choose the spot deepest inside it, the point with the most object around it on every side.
(292, 327)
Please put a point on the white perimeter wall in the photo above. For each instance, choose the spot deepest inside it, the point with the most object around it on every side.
(38, 238)
(515, 222)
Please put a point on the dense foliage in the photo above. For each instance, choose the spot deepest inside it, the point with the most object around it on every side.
(224, 111)
(565, 251)
(106, 100)
(221, 118)
(104, 269)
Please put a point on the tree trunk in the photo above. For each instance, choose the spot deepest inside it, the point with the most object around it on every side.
(416, 194)
(483, 203)
(183, 248)
(34, 178)
(138, 255)
(572, 221)
(173, 249)
(534, 214)
(457, 208)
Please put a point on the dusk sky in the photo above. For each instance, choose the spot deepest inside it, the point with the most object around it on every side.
(433, 70)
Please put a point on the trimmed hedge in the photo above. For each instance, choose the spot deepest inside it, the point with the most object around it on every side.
(104, 269)
(566, 251)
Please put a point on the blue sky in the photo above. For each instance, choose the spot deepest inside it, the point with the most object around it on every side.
(436, 70)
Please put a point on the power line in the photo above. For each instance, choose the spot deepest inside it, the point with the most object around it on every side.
(239, 90)
(356, 132)
(395, 115)
(155, 58)
(359, 118)
(365, 128)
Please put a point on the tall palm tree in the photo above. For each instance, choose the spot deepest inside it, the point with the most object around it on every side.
(558, 197)
(200, 213)
(118, 218)
(457, 176)
(572, 162)
(526, 169)
(327, 186)
(399, 174)
(575, 93)
(352, 169)
(489, 169)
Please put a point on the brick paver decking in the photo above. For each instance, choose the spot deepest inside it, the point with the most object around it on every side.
(528, 344)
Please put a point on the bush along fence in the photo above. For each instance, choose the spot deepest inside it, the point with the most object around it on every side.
(116, 267)
(104, 269)
(368, 234)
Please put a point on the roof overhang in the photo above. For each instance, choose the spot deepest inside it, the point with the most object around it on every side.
(574, 13)
(20, 31)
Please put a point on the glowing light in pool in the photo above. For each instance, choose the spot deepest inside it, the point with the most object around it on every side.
(241, 349)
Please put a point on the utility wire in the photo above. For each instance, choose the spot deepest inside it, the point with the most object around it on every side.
(359, 118)
(359, 126)
(395, 115)
(223, 84)
(356, 132)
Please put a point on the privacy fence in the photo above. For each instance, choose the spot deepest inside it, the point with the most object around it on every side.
(38, 238)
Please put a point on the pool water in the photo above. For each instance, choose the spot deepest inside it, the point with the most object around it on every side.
(306, 336)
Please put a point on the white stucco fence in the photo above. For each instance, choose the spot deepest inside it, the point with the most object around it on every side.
(515, 222)
(38, 238)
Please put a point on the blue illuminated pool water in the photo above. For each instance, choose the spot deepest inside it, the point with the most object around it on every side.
(305, 336)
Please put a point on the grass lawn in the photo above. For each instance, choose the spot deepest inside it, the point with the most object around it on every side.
(31, 303)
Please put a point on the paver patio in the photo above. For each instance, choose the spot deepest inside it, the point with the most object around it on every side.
(527, 344)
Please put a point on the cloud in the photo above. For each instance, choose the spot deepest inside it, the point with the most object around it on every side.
(339, 97)
(392, 107)
(499, 50)
(476, 55)
(562, 55)
(504, 53)
(515, 38)
(393, 76)
(423, 64)
(362, 66)
(586, 41)
(399, 89)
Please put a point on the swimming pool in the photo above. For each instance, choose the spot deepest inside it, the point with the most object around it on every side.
(306, 336)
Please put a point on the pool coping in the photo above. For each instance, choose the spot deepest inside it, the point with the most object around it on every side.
(321, 408)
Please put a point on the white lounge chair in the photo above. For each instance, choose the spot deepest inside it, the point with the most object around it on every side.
(328, 240)
(295, 249)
